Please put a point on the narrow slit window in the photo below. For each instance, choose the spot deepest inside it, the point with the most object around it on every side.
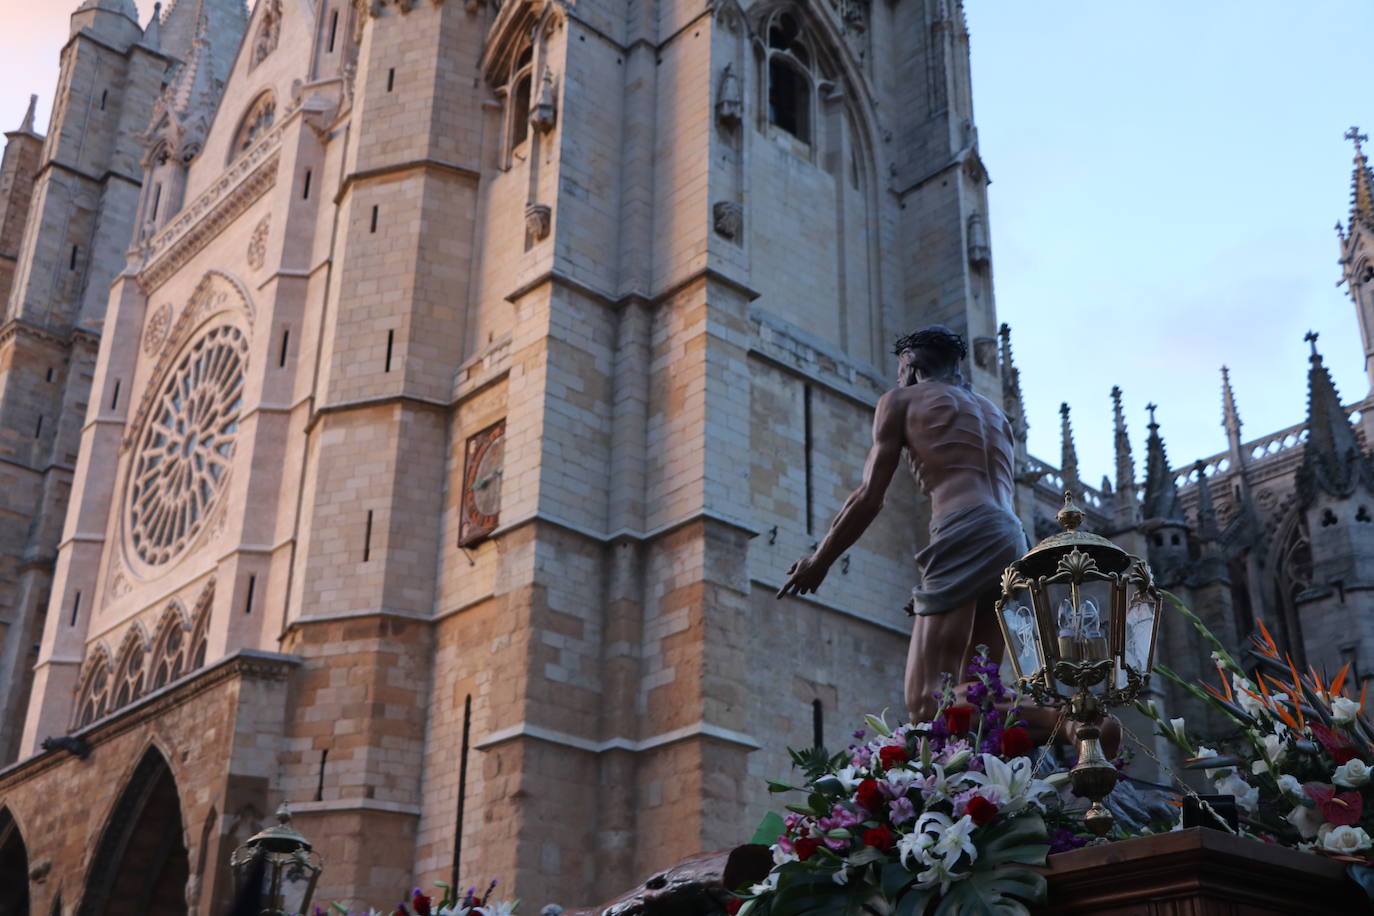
(367, 538)
(71, 265)
(50, 373)
(375, 213)
(76, 608)
(248, 599)
(324, 756)
(38, 427)
(285, 340)
(333, 30)
(390, 346)
(461, 813)
(104, 97)
(114, 397)
(806, 459)
(157, 199)
(391, 79)
(817, 723)
(305, 191)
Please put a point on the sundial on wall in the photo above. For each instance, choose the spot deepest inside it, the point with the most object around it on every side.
(483, 467)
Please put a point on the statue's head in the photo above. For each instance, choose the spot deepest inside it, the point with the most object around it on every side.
(933, 352)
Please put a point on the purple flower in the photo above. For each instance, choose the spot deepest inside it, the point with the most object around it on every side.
(902, 810)
(1063, 840)
(859, 735)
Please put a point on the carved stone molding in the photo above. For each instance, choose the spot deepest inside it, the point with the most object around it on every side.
(544, 114)
(729, 219)
(729, 99)
(257, 245)
(538, 221)
(242, 184)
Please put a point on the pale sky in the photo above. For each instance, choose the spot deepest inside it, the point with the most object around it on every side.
(1166, 176)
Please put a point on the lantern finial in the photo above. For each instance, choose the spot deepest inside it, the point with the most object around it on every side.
(1070, 516)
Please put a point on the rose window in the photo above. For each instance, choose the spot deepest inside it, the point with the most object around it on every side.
(183, 457)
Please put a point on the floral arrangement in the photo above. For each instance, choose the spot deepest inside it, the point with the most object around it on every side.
(1299, 763)
(451, 903)
(944, 813)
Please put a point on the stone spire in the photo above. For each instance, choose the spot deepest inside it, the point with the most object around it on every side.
(181, 23)
(1230, 417)
(1012, 403)
(1332, 460)
(1207, 528)
(1161, 495)
(1127, 501)
(123, 7)
(1068, 455)
(1361, 195)
(182, 116)
(152, 35)
(26, 127)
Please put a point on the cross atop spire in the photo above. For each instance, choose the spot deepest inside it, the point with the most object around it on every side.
(1152, 407)
(1311, 337)
(1354, 134)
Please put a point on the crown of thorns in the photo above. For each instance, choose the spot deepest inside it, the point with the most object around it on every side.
(937, 338)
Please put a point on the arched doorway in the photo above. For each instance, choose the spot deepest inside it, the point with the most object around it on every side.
(14, 868)
(141, 866)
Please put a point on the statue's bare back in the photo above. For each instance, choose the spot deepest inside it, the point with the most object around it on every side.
(960, 446)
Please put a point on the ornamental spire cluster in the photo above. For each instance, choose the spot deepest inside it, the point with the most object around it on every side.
(1333, 461)
(1161, 493)
(1068, 464)
(1012, 403)
(1361, 193)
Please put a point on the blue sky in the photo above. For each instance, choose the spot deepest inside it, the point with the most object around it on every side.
(1166, 176)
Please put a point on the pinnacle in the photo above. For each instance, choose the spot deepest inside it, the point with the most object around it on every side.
(27, 126)
(1361, 192)
(1069, 454)
(1332, 448)
(1161, 494)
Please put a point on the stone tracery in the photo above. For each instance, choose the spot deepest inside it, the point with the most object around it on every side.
(255, 124)
(183, 457)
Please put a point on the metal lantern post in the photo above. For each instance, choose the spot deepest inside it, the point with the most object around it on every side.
(1080, 617)
(286, 867)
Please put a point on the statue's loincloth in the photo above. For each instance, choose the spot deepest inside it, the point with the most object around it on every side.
(968, 550)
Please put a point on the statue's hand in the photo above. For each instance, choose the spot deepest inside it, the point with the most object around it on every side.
(805, 575)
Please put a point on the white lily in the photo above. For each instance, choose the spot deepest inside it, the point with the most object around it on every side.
(1014, 782)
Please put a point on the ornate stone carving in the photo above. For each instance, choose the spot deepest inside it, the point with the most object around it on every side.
(729, 98)
(257, 245)
(538, 221)
(729, 219)
(269, 33)
(853, 15)
(184, 454)
(979, 252)
(155, 331)
(544, 112)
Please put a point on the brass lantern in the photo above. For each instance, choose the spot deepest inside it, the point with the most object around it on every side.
(1080, 617)
(282, 865)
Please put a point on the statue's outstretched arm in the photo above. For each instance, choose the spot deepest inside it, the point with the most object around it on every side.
(863, 505)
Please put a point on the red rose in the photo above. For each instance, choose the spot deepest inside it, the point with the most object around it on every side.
(421, 903)
(1342, 809)
(980, 810)
(892, 756)
(806, 847)
(879, 837)
(733, 904)
(959, 719)
(870, 796)
(1016, 742)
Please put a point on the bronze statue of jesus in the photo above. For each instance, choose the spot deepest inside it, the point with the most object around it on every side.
(960, 448)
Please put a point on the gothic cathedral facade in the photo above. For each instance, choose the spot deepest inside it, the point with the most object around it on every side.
(409, 409)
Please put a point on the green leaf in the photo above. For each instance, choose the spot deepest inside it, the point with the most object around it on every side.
(866, 855)
(769, 829)
(914, 902)
(1363, 875)
(799, 809)
(894, 878)
(830, 785)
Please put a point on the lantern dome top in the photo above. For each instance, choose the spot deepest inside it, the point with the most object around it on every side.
(281, 837)
(1043, 558)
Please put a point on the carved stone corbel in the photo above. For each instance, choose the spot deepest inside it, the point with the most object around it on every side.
(538, 221)
(544, 113)
(728, 219)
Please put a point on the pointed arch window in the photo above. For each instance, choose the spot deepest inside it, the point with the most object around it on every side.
(255, 124)
(169, 650)
(518, 90)
(790, 76)
(129, 671)
(93, 696)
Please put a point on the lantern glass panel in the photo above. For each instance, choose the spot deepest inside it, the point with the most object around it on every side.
(1083, 627)
(1140, 625)
(1024, 647)
(297, 884)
